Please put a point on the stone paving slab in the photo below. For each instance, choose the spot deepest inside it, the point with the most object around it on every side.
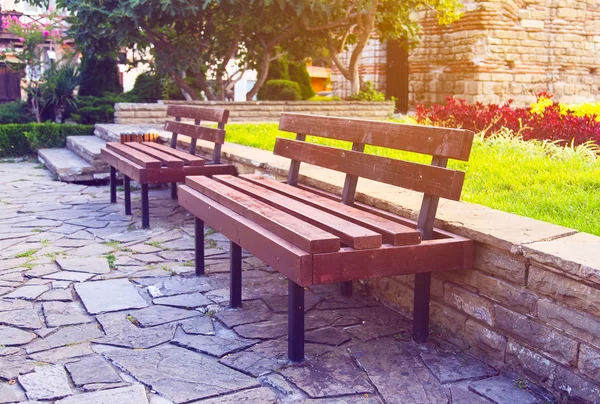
(146, 330)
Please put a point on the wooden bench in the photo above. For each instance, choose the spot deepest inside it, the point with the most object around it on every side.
(312, 238)
(154, 163)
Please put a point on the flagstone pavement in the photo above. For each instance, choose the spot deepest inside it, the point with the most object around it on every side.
(94, 310)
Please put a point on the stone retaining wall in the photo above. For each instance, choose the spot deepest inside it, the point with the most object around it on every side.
(259, 111)
(530, 305)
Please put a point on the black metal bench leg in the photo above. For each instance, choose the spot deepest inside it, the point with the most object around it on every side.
(113, 185)
(199, 239)
(235, 269)
(127, 187)
(173, 190)
(145, 207)
(295, 322)
(346, 288)
(421, 307)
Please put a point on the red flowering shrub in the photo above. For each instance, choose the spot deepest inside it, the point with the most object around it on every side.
(552, 124)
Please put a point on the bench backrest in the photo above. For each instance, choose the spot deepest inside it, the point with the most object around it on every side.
(433, 180)
(196, 131)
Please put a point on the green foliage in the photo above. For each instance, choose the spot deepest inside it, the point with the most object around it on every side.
(15, 112)
(148, 87)
(554, 184)
(368, 94)
(279, 69)
(59, 89)
(23, 139)
(91, 110)
(299, 74)
(322, 98)
(99, 76)
(280, 90)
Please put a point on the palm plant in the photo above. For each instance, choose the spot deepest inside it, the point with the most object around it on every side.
(61, 84)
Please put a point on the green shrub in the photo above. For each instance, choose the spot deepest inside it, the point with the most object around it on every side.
(370, 94)
(279, 69)
(15, 112)
(299, 74)
(23, 139)
(91, 110)
(148, 87)
(280, 90)
(99, 76)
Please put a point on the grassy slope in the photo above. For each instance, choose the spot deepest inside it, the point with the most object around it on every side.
(508, 175)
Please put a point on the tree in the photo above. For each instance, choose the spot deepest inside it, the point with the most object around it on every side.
(99, 75)
(381, 19)
(27, 59)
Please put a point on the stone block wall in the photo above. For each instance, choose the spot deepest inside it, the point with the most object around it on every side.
(259, 111)
(509, 49)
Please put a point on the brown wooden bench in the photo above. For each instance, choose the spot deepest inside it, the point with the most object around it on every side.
(154, 163)
(312, 238)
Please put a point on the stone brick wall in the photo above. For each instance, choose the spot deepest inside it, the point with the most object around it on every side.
(372, 65)
(510, 49)
(263, 111)
(529, 306)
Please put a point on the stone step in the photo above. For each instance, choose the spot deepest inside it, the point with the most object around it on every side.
(69, 167)
(110, 131)
(88, 148)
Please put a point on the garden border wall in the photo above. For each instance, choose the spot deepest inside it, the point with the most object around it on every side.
(530, 305)
(256, 111)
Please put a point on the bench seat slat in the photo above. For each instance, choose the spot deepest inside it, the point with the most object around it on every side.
(124, 165)
(289, 260)
(349, 233)
(187, 158)
(429, 256)
(134, 155)
(304, 235)
(166, 159)
(432, 180)
(393, 233)
(214, 135)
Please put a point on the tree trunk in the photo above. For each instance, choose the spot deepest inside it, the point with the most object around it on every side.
(186, 87)
(59, 111)
(262, 77)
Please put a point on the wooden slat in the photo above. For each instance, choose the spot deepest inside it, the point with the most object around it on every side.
(136, 156)
(126, 166)
(393, 233)
(168, 174)
(197, 132)
(303, 235)
(187, 158)
(166, 159)
(432, 180)
(219, 115)
(351, 234)
(429, 256)
(446, 142)
(291, 261)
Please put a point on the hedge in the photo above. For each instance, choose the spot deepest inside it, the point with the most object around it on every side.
(279, 90)
(23, 139)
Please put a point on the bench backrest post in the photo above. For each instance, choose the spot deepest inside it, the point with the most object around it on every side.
(193, 140)
(174, 135)
(349, 190)
(295, 164)
(429, 205)
(217, 149)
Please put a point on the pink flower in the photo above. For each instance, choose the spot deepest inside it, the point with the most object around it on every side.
(21, 39)
(46, 34)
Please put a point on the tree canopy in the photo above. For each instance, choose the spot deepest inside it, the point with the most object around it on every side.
(193, 41)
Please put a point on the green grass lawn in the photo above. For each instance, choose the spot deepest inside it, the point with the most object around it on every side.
(544, 182)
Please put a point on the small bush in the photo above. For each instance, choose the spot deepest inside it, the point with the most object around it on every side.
(91, 110)
(99, 76)
(369, 94)
(148, 87)
(15, 112)
(299, 74)
(23, 139)
(280, 90)
(549, 122)
(279, 69)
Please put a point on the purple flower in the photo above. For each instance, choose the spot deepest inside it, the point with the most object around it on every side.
(46, 34)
